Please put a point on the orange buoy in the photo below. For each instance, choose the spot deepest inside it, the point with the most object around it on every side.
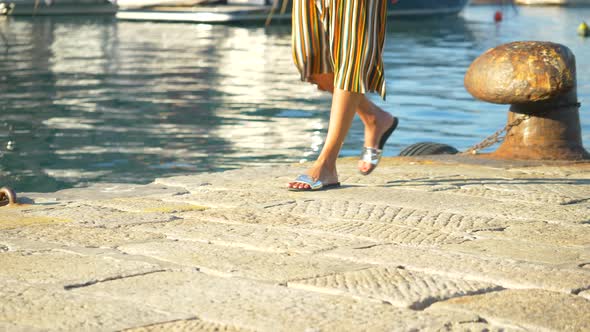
(498, 16)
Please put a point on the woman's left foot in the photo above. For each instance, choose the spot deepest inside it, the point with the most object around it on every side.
(377, 131)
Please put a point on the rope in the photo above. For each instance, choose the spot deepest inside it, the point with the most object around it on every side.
(275, 5)
(272, 11)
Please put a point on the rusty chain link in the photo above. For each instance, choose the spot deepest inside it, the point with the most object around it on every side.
(495, 137)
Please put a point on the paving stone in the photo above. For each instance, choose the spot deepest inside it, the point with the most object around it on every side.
(187, 325)
(352, 210)
(220, 198)
(397, 286)
(534, 190)
(565, 170)
(455, 229)
(25, 307)
(231, 196)
(401, 170)
(391, 233)
(544, 233)
(187, 181)
(12, 218)
(246, 215)
(238, 262)
(535, 310)
(98, 237)
(141, 204)
(252, 237)
(396, 173)
(504, 272)
(98, 191)
(93, 216)
(9, 326)
(469, 206)
(264, 307)
(479, 327)
(66, 269)
(514, 249)
(235, 179)
(558, 194)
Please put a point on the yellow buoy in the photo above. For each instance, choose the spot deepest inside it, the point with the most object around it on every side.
(583, 30)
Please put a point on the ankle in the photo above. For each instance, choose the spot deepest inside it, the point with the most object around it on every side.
(328, 167)
(325, 165)
(370, 121)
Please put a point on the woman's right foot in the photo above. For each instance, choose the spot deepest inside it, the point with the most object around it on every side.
(327, 175)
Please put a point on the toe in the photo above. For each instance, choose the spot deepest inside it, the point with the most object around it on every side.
(366, 167)
(362, 165)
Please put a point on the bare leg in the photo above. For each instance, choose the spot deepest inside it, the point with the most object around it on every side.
(376, 120)
(344, 105)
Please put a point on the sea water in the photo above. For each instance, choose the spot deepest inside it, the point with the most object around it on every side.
(88, 100)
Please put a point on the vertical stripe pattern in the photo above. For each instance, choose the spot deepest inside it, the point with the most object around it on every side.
(345, 37)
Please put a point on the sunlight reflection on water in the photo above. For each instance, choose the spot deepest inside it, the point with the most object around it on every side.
(93, 99)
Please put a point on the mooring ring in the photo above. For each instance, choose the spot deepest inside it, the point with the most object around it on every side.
(7, 194)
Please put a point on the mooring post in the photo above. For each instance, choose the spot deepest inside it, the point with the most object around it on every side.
(538, 80)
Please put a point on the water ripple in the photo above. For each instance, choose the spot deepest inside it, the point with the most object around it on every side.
(93, 99)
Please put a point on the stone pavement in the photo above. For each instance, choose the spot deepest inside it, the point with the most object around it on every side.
(417, 245)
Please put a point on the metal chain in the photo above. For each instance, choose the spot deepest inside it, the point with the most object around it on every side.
(495, 137)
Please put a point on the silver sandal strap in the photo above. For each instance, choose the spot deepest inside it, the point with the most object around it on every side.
(371, 155)
(306, 179)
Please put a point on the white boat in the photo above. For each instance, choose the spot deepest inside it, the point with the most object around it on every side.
(138, 4)
(57, 7)
(245, 11)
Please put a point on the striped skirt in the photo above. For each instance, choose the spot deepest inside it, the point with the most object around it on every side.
(344, 37)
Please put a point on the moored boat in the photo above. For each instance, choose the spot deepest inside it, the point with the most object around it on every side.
(426, 7)
(57, 7)
(238, 12)
(553, 2)
(491, 2)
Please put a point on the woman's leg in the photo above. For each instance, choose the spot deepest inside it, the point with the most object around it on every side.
(344, 105)
(376, 120)
(345, 38)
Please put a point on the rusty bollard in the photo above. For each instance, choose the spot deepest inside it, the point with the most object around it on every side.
(538, 80)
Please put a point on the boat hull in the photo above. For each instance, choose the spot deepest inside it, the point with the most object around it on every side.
(57, 7)
(425, 7)
(553, 2)
(245, 14)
